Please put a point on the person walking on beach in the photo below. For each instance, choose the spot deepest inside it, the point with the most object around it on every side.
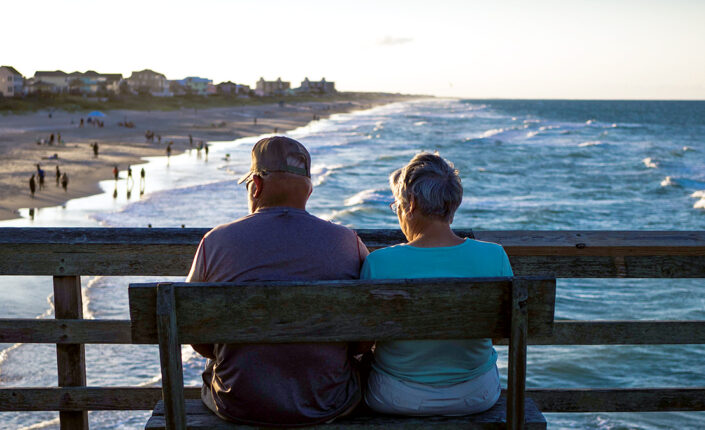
(190, 140)
(115, 172)
(95, 149)
(32, 185)
(58, 175)
(64, 181)
(205, 148)
(40, 176)
(143, 181)
(285, 384)
(168, 149)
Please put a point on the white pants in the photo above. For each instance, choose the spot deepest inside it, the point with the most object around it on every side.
(388, 395)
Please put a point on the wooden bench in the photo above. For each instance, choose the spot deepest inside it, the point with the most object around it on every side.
(172, 314)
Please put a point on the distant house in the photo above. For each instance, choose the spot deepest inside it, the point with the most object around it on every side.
(90, 82)
(272, 88)
(233, 89)
(36, 86)
(58, 80)
(11, 82)
(196, 85)
(316, 87)
(149, 81)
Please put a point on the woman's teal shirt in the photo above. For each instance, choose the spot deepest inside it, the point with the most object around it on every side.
(436, 362)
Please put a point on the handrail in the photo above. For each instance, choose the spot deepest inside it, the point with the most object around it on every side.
(169, 251)
(67, 253)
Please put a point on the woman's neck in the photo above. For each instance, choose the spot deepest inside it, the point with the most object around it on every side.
(432, 233)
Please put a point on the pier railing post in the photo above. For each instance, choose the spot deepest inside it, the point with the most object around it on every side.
(70, 358)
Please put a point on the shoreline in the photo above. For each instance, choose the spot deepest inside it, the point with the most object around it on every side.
(19, 152)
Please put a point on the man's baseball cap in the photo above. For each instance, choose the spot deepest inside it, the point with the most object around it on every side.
(273, 154)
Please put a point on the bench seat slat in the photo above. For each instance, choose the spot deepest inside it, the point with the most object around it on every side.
(200, 417)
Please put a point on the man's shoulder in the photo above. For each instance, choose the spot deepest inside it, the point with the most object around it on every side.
(229, 228)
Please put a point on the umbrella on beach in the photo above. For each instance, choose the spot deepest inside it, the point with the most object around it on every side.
(96, 114)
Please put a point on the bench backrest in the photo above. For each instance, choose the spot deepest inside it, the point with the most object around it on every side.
(331, 311)
(172, 314)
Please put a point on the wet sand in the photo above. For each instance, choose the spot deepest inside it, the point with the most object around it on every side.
(121, 146)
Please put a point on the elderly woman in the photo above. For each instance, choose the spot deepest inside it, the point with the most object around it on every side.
(433, 377)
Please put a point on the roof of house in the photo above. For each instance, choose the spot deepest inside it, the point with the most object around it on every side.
(12, 70)
(48, 74)
(148, 71)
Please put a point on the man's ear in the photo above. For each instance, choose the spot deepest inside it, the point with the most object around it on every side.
(257, 185)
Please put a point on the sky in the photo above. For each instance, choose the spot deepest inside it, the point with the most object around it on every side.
(618, 49)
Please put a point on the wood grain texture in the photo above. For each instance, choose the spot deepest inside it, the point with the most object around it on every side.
(619, 400)
(62, 331)
(170, 358)
(199, 417)
(84, 398)
(651, 399)
(564, 332)
(70, 358)
(332, 311)
(516, 373)
(169, 252)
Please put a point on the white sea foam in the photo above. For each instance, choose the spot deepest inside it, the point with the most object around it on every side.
(650, 163)
(374, 195)
(531, 134)
(669, 182)
(493, 132)
(591, 143)
(419, 123)
(41, 425)
(590, 122)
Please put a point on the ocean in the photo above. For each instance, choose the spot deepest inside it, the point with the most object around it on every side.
(525, 165)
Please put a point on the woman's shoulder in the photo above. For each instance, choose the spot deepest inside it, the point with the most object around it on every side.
(388, 252)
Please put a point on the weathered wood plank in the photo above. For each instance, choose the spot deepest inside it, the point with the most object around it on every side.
(65, 331)
(516, 378)
(168, 252)
(70, 358)
(332, 311)
(170, 358)
(564, 332)
(619, 399)
(84, 398)
(199, 417)
(547, 399)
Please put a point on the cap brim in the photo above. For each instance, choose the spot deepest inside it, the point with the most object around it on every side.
(246, 177)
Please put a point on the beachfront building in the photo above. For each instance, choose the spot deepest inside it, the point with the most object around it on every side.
(11, 82)
(149, 82)
(316, 87)
(272, 88)
(37, 86)
(88, 83)
(58, 80)
(233, 89)
(196, 85)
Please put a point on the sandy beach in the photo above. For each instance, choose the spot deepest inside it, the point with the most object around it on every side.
(121, 146)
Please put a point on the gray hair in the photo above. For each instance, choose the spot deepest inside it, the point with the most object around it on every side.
(432, 182)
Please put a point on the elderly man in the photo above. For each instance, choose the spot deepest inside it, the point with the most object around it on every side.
(289, 384)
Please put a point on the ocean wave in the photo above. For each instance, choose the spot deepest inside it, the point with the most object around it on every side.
(531, 134)
(669, 182)
(420, 123)
(373, 195)
(650, 163)
(321, 172)
(591, 143)
(42, 425)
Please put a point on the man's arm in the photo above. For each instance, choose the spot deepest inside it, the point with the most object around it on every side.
(198, 274)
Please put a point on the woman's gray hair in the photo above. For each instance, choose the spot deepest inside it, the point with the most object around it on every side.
(432, 182)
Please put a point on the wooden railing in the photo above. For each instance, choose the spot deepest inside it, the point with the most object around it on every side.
(68, 253)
